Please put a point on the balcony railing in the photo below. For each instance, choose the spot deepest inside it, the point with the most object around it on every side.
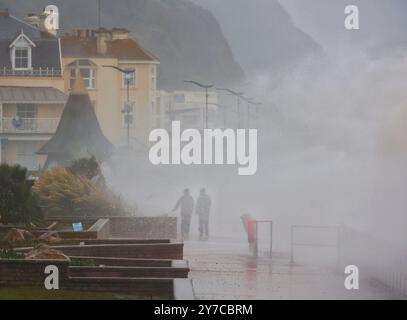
(29, 125)
(40, 72)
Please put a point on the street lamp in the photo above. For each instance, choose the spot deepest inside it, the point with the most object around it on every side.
(238, 95)
(224, 112)
(250, 103)
(206, 87)
(128, 75)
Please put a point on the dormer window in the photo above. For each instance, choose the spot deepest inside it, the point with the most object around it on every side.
(21, 58)
(21, 52)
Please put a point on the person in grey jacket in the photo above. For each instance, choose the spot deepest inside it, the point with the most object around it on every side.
(186, 204)
(203, 208)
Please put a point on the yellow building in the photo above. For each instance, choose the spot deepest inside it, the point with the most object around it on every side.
(37, 70)
(31, 91)
(97, 53)
(188, 107)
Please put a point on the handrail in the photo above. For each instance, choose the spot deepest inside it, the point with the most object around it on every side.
(336, 229)
(29, 125)
(38, 72)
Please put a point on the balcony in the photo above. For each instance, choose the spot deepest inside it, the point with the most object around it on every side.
(29, 125)
(40, 72)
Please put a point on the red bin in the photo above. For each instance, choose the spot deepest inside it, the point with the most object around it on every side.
(249, 224)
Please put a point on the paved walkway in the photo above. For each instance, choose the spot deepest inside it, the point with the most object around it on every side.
(225, 270)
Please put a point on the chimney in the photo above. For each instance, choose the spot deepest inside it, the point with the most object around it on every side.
(33, 20)
(102, 37)
(120, 34)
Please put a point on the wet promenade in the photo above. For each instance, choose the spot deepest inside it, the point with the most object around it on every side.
(226, 270)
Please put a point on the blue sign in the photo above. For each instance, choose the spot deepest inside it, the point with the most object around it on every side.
(77, 227)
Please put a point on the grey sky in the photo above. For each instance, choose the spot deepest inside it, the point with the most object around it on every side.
(382, 22)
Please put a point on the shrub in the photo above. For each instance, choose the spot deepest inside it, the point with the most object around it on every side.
(88, 167)
(82, 262)
(18, 204)
(10, 254)
(63, 193)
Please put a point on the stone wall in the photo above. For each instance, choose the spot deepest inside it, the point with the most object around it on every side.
(30, 272)
(144, 227)
(173, 251)
(148, 287)
(176, 289)
(102, 229)
(99, 230)
(129, 272)
(127, 262)
(124, 241)
(127, 227)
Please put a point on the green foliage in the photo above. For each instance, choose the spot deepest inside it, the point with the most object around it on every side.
(87, 167)
(18, 204)
(63, 193)
(79, 262)
(10, 254)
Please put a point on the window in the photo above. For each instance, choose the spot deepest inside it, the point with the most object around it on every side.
(21, 58)
(26, 119)
(88, 75)
(179, 98)
(87, 70)
(153, 78)
(128, 113)
(131, 77)
(21, 52)
(27, 111)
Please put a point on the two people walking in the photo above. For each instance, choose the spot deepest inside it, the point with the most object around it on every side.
(202, 209)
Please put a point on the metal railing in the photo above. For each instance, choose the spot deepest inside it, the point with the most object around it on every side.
(29, 125)
(39, 72)
(380, 260)
(256, 244)
(336, 230)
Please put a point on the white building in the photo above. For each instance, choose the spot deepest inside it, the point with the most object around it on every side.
(188, 107)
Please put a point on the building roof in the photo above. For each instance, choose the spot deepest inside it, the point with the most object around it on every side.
(46, 53)
(74, 46)
(10, 28)
(78, 134)
(10, 94)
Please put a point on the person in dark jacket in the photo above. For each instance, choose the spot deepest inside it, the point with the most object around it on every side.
(186, 204)
(203, 208)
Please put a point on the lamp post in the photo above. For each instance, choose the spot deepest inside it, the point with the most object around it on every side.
(250, 103)
(206, 88)
(99, 13)
(238, 95)
(128, 75)
(224, 111)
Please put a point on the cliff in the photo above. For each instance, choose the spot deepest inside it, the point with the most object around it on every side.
(185, 37)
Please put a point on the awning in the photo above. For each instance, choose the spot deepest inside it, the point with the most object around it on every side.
(44, 95)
